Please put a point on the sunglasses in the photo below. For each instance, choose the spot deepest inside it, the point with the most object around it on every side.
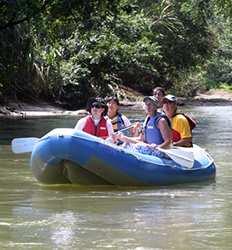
(96, 105)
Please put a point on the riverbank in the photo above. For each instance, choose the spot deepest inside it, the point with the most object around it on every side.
(212, 97)
(22, 110)
(41, 109)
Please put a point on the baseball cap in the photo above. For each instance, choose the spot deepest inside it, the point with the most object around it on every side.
(170, 98)
(151, 98)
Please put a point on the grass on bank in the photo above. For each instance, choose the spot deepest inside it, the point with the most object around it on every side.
(225, 86)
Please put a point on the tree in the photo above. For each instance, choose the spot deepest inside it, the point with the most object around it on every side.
(90, 47)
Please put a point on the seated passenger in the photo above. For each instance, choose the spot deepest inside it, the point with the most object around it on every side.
(118, 120)
(181, 130)
(159, 93)
(156, 130)
(95, 123)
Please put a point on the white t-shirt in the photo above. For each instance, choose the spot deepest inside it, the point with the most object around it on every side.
(81, 123)
(126, 121)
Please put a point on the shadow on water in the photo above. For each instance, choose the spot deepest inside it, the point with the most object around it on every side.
(115, 188)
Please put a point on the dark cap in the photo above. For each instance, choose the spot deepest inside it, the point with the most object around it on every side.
(170, 98)
(94, 101)
(151, 98)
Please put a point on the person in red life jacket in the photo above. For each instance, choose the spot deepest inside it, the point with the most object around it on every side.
(181, 130)
(159, 93)
(156, 130)
(96, 123)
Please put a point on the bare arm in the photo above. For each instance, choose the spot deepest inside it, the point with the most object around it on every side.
(184, 142)
(128, 139)
(165, 132)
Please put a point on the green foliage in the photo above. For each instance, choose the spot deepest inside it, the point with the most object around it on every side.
(219, 66)
(106, 53)
(227, 87)
(223, 7)
(189, 82)
(67, 48)
(15, 62)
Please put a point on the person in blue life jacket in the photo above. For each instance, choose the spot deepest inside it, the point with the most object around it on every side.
(156, 132)
(118, 120)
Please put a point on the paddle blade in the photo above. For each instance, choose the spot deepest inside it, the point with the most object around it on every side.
(182, 157)
(23, 145)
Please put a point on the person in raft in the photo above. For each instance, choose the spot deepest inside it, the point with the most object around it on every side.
(96, 123)
(118, 120)
(156, 132)
(159, 93)
(181, 129)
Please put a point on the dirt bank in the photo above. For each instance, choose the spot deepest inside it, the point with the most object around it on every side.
(213, 97)
(42, 109)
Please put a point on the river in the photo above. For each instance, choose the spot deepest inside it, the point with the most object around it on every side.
(192, 216)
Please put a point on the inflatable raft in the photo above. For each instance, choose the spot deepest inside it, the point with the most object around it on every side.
(70, 156)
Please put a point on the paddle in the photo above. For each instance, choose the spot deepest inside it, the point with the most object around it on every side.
(23, 145)
(126, 129)
(180, 155)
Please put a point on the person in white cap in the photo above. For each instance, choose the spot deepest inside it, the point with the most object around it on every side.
(181, 130)
(156, 130)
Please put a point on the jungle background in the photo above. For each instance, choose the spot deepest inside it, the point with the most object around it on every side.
(64, 51)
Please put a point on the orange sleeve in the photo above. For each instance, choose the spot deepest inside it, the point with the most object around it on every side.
(181, 125)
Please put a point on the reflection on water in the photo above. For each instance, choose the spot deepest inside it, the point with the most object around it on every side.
(193, 216)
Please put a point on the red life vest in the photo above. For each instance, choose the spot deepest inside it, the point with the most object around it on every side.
(175, 136)
(100, 130)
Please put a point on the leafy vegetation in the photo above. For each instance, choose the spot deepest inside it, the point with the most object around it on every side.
(65, 51)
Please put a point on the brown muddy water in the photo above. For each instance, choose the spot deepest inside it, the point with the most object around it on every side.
(193, 216)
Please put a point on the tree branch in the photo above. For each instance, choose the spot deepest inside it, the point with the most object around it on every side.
(12, 23)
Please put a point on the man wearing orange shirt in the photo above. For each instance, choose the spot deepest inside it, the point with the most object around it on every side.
(181, 131)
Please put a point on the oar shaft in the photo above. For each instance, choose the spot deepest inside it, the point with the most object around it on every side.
(125, 129)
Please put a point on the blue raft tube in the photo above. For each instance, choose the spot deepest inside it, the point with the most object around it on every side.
(67, 156)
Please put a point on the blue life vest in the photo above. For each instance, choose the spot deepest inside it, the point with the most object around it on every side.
(151, 131)
(118, 123)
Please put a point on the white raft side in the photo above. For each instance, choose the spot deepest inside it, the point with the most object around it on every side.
(198, 152)
(60, 132)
